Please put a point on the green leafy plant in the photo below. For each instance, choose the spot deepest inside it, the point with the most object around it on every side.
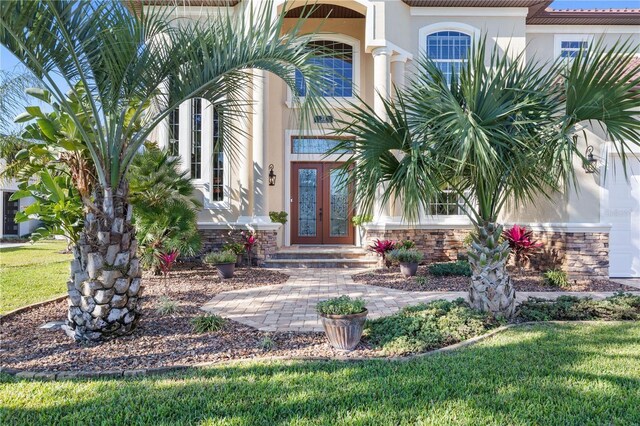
(361, 219)
(422, 280)
(428, 326)
(343, 305)
(220, 258)
(278, 217)
(403, 255)
(206, 323)
(556, 278)
(458, 268)
(237, 248)
(405, 244)
(166, 306)
(267, 344)
(621, 306)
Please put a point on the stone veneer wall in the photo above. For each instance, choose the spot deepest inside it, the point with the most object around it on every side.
(267, 244)
(580, 254)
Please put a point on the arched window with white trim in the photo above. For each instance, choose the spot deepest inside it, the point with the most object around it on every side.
(448, 50)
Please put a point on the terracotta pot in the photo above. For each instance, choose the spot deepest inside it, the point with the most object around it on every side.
(344, 331)
(408, 269)
(225, 270)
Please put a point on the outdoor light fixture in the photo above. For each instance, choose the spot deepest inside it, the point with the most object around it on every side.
(590, 165)
(272, 176)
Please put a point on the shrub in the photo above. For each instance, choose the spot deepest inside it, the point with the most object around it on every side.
(343, 305)
(267, 344)
(403, 255)
(278, 217)
(458, 268)
(167, 306)
(219, 258)
(382, 247)
(428, 326)
(361, 219)
(405, 244)
(236, 248)
(618, 307)
(206, 323)
(521, 243)
(556, 278)
(422, 280)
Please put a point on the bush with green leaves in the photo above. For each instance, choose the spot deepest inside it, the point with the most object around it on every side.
(278, 217)
(406, 244)
(220, 258)
(361, 219)
(403, 255)
(458, 268)
(556, 278)
(428, 326)
(343, 305)
(237, 248)
(621, 306)
(206, 323)
(167, 306)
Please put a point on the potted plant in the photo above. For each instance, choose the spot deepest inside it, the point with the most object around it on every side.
(224, 261)
(237, 248)
(382, 247)
(408, 260)
(343, 321)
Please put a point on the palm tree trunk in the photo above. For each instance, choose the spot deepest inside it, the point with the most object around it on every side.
(105, 283)
(491, 287)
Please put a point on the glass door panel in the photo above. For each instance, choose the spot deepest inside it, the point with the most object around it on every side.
(307, 202)
(338, 204)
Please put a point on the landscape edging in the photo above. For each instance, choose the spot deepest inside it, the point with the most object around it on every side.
(65, 375)
(32, 306)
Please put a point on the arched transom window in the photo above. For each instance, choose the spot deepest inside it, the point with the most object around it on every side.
(339, 61)
(449, 50)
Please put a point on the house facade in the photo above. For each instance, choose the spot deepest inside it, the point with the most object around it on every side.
(594, 229)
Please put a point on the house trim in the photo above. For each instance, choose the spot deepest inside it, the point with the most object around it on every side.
(470, 11)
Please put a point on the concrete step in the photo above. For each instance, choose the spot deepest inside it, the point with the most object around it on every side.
(320, 263)
(319, 254)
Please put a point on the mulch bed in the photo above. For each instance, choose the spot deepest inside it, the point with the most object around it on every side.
(158, 341)
(391, 278)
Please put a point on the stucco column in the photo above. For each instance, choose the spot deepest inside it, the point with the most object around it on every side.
(398, 71)
(381, 79)
(259, 153)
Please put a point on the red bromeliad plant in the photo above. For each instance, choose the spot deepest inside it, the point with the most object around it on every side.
(167, 260)
(382, 247)
(521, 243)
(250, 240)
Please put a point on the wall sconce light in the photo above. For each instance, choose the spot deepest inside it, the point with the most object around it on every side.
(590, 165)
(272, 176)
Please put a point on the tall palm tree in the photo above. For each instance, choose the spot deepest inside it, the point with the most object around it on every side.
(127, 59)
(499, 131)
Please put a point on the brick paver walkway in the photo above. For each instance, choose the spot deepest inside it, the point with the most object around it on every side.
(291, 306)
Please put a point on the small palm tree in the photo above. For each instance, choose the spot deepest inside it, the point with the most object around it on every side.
(137, 67)
(492, 134)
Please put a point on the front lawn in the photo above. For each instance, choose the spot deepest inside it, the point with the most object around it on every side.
(32, 273)
(570, 374)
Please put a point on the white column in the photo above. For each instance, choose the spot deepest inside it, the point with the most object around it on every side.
(184, 131)
(162, 130)
(259, 154)
(397, 71)
(381, 79)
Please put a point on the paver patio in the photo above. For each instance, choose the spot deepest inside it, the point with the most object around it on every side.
(291, 306)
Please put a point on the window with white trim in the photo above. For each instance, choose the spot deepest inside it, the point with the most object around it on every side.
(445, 204)
(341, 61)
(174, 133)
(449, 50)
(568, 46)
(217, 160)
(196, 138)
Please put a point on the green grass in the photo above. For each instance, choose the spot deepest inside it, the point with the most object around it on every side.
(578, 374)
(32, 273)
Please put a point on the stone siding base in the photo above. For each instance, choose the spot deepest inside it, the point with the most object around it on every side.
(580, 254)
(266, 245)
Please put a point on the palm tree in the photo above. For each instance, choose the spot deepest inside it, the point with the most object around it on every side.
(138, 67)
(492, 134)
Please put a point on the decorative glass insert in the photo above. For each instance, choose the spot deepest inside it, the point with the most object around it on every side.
(196, 138)
(338, 203)
(337, 59)
(445, 204)
(571, 49)
(174, 132)
(305, 145)
(448, 50)
(217, 167)
(307, 202)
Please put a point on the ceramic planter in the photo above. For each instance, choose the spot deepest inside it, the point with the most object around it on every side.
(408, 269)
(344, 331)
(225, 270)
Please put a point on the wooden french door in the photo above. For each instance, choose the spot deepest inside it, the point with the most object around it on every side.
(321, 204)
